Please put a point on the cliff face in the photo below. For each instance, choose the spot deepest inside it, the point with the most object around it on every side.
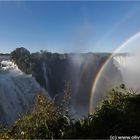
(52, 70)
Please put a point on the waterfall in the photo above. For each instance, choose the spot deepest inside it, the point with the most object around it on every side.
(45, 73)
(130, 70)
(120, 61)
(17, 92)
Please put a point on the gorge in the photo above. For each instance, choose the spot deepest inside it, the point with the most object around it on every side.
(24, 74)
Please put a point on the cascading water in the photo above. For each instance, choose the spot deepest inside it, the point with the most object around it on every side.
(131, 71)
(17, 92)
(44, 67)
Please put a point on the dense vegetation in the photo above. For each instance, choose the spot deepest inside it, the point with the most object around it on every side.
(118, 114)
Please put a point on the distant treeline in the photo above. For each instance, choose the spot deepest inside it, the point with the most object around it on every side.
(7, 54)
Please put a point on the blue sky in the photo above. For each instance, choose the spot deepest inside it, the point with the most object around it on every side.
(67, 26)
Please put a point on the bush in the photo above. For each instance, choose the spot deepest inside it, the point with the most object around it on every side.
(45, 121)
(117, 115)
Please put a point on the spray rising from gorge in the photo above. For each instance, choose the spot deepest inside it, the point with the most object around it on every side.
(53, 70)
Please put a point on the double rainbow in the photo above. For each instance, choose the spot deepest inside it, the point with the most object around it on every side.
(103, 66)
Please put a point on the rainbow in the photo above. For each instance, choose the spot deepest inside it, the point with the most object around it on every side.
(103, 66)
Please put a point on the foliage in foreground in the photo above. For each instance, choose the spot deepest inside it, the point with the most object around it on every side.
(45, 121)
(118, 114)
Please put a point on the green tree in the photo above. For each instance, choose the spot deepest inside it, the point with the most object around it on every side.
(118, 114)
